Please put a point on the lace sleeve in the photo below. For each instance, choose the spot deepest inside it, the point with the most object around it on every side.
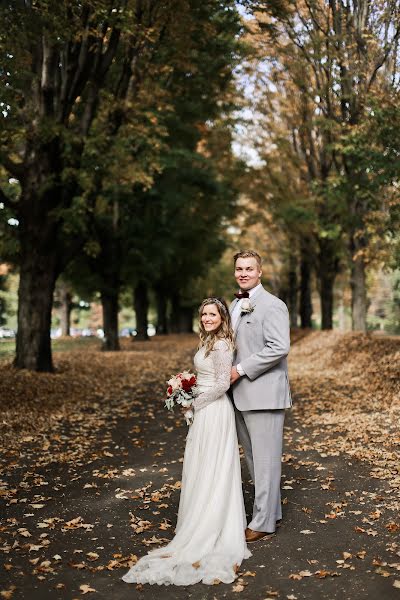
(221, 356)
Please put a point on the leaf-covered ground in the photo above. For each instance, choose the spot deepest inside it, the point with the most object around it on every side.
(91, 465)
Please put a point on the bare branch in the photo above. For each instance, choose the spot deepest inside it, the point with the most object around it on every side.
(315, 19)
(109, 54)
(90, 109)
(382, 60)
(49, 66)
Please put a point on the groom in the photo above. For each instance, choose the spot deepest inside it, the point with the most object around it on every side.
(260, 388)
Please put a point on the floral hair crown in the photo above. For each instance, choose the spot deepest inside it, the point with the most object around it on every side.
(214, 301)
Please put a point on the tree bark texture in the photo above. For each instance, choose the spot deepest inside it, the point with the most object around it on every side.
(358, 287)
(38, 276)
(328, 268)
(108, 268)
(3, 306)
(326, 296)
(65, 310)
(175, 312)
(186, 320)
(141, 305)
(161, 304)
(43, 255)
(181, 320)
(292, 290)
(109, 302)
(305, 308)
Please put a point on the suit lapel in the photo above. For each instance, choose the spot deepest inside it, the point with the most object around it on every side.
(253, 301)
(232, 305)
(231, 309)
(254, 297)
(239, 319)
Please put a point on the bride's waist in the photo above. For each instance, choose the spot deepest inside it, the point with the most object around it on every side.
(204, 386)
(205, 383)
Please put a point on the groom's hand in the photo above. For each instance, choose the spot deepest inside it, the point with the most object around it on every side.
(234, 375)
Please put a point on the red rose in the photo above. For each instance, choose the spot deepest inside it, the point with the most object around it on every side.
(169, 390)
(187, 384)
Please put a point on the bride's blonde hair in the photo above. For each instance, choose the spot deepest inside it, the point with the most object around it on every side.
(224, 331)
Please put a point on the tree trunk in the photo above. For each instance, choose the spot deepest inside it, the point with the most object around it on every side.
(141, 304)
(65, 309)
(186, 320)
(44, 250)
(109, 301)
(35, 300)
(326, 281)
(306, 308)
(328, 268)
(292, 291)
(283, 291)
(358, 287)
(175, 313)
(161, 303)
(3, 305)
(341, 315)
(181, 316)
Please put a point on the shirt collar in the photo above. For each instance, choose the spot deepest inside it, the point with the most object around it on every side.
(254, 290)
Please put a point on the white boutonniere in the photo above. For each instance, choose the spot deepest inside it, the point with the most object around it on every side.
(246, 308)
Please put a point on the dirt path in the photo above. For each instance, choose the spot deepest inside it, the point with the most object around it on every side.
(83, 498)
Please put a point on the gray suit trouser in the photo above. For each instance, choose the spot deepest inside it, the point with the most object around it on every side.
(260, 433)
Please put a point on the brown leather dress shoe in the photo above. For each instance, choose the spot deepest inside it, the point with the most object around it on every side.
(254, 536)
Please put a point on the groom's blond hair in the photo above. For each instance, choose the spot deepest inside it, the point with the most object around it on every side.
(248, 254)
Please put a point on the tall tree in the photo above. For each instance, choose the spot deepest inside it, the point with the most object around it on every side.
(337, 55)
(132, 140)
(363, 39)
(59, 62)
(57, 57)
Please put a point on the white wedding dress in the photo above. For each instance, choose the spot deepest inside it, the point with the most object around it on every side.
(209, 542)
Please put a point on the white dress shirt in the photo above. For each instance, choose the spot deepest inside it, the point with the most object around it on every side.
(236, 315)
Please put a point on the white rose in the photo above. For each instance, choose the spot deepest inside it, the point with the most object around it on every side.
(246, 305)
(186, 375)
(174, 383)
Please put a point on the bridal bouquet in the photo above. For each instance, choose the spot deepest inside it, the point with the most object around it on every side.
(181, 390)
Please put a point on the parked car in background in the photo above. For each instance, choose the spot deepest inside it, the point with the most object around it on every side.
(89, 332)
(127, 332)
(76, 331)
(131, 332)
(6, 332)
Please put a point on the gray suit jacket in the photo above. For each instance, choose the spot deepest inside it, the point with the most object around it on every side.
(262, 344)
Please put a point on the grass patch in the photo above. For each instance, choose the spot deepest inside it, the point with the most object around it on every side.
(7, 347)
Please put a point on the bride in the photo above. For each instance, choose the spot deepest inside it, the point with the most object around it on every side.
(209, 543)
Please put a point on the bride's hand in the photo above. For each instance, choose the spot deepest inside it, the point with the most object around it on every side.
(188, 414)
(234, 375)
